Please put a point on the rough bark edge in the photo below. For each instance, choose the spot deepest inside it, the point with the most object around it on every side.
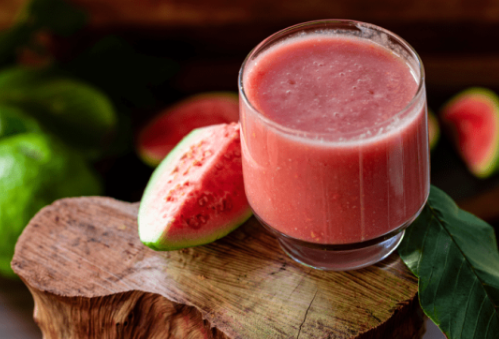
(407, 321)
(133, 314)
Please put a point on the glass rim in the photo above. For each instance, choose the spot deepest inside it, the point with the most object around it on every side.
(303, 25)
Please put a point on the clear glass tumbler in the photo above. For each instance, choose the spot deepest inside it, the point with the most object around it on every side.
(340, 198)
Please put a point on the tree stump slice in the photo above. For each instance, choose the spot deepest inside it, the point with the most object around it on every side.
(91, 277)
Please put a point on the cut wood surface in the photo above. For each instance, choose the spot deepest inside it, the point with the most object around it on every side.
(92, 278)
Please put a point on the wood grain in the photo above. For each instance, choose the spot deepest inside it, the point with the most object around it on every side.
(92, 278)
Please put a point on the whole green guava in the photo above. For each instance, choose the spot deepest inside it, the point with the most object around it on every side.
(35, 170)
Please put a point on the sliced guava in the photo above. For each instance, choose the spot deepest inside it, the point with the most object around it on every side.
(472, 117)
(433, 129)
(196, 195)
(161, 135)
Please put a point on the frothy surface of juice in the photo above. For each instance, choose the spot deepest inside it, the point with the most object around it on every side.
(327, 84)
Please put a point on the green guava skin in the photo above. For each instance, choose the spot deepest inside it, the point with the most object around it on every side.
(79, 114)
(13, 121)
(35, 170)
(433, 130)
(160, 240)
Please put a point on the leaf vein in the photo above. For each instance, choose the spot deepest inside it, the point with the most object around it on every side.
(478, 316)
(423, 242)
(488, 324)
(440, 279)
(467, 308)
(455, 287)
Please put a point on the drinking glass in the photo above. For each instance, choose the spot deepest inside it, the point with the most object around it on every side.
(338, 200)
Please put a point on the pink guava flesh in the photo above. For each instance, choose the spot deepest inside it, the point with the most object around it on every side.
(473, 119)
(161, 135)
(196, 195)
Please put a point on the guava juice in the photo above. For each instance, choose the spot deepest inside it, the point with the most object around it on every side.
(335, 149)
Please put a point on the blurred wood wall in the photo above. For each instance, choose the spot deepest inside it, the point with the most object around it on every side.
(175, 13)
(457, 39)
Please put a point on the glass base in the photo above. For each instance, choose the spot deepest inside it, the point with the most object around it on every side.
(335, 260)
(339, 257)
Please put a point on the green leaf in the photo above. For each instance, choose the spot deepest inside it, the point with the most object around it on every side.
(454, 254)
(79, 114)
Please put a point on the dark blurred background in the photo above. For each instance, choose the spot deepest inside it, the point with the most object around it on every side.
(198, 46)
(208, 40)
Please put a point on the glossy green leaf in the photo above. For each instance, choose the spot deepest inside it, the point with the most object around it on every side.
(454, 254)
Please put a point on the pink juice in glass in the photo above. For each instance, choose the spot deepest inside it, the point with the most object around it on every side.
(334, 140)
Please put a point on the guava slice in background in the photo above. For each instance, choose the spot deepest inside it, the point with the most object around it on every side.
(433, 129)
(36, 170)
(472, 119)
(163, 132)
(196, 195)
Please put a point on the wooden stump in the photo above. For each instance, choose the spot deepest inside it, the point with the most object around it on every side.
(91, 277)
